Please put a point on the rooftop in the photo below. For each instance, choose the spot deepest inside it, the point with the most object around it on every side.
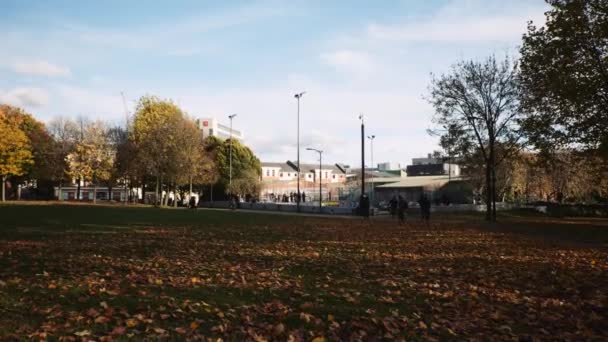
(420, 182)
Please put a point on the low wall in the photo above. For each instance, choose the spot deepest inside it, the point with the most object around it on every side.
(345, 210)
(470, 207)
(279, 207)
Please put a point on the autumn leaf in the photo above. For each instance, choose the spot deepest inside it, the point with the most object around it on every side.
(83, 333)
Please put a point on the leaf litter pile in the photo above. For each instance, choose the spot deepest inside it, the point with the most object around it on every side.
(316, 280)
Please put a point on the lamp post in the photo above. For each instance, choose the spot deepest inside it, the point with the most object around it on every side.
(320, 177)
(364, 201)
(298, 96)
(230, 184)
(371, 139)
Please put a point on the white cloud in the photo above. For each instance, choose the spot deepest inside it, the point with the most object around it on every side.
(25, 97)
(349, 61)
(41, 68)
(95, 103)
(464, 21)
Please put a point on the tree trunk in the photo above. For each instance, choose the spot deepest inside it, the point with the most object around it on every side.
(143, 190)
(94, 192)
(174, 195)
(190, 194)
(3, 188)
(156, 194)
(492, 175)
(59, 197)
(488, 192)
(78, 190)
(494, 193)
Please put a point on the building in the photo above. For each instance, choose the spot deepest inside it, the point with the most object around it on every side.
(438, 179)
(69, 193)
(280, 179)
(388, 166)
(211, 127)
(431, 166)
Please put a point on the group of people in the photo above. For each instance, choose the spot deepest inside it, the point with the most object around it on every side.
(292, 197)
(398, 206)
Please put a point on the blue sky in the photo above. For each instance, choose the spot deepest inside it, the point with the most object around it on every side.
(71, 58)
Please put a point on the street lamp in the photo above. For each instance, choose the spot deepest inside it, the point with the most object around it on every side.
(231, 117)
(371, 138)
(320, 177)
(298, 96)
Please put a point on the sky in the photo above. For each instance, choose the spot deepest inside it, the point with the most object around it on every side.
(216, 58)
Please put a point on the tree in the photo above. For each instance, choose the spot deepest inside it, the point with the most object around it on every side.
(65, 134)
(92, 158)
(564, 76)
(15, 149)
(155, 134)
(246, 167)
(480, 100)
(40, 142)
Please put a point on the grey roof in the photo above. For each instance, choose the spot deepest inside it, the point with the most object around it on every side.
(282, 166)
(306, 167)
(421, 182)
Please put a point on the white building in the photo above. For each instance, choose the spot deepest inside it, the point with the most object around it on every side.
(388, 166)
(281, 179)
(211, 127)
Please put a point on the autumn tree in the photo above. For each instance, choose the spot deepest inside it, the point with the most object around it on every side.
(156, 138)
(92, 158)
(479, 99)
(564, 76)
(15, 149)
(65, 134)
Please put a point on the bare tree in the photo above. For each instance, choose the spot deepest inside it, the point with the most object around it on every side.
(481, 99)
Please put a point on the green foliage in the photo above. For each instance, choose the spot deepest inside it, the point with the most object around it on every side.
(564, 76)
(246, 167)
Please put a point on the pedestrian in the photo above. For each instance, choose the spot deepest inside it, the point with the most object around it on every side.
(303, 196)
(192, 202)
(392, 206)
(425, 208)
(402, 208)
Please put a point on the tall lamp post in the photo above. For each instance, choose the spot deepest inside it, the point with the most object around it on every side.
(320, 177)
(298, 96)
(231, 117)
(363, 201)
(371, 139)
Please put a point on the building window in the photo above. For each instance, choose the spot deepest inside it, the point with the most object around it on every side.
(333, 176)
(288, 174)
(281, 174)
(325, 174)
(267, 173)
(272, 173)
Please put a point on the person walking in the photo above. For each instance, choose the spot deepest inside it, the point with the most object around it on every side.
(393, 204)
(425, 208)
(402, 207)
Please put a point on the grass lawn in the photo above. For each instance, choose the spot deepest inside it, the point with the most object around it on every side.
(116, 273)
